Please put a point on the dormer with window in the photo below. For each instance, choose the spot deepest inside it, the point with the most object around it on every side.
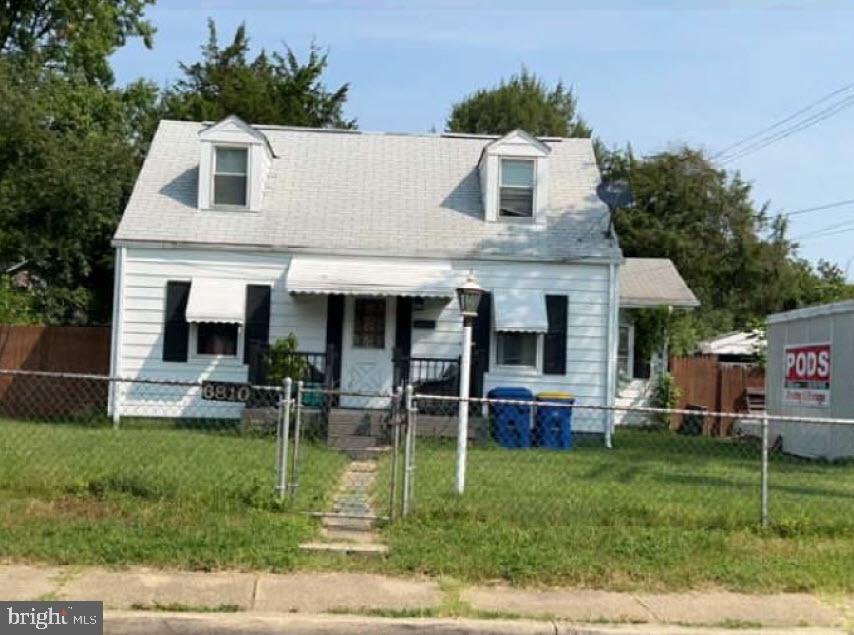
(233, 165)
(514, 178)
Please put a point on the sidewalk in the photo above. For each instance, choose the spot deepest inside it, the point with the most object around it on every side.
(157, 595)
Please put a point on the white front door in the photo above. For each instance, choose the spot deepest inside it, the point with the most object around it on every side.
(366, 362)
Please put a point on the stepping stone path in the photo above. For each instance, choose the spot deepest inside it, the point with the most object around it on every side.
(353, 531)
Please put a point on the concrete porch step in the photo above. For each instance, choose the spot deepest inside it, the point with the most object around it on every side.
(351, 441)
(345, 535)
(366, 454)
(365, 525)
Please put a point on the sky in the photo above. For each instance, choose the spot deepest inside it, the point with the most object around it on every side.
(701, 73)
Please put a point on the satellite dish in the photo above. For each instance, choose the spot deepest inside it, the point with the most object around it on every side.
(615, 193)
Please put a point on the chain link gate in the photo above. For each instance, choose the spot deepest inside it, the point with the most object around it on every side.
(356, 448)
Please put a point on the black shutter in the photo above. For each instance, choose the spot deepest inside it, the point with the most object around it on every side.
(334, 338)
(481, 332)
(257, 331)
(554, 344)
(176, 330)
(402, 340)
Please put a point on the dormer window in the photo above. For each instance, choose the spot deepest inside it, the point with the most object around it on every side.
(516, 196)
(230, 177)
(514, 179)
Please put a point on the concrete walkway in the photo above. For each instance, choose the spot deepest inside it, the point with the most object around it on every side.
(241, 596)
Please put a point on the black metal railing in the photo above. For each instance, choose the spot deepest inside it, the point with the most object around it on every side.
(312, 368)
(428, 375)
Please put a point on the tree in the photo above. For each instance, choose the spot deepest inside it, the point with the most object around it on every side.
(735, 258)
(69, 154)
(522, 101)
(271, 89)
(75, 35)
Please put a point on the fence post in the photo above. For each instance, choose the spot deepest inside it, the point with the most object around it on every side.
(395, 447)
(282, 438)
(763, 513)
(297, 433)
(407, 456)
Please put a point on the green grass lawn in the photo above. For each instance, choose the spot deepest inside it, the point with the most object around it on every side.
(152, 494)
(658, 511)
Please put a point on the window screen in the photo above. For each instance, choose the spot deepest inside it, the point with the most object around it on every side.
(369, 323)
(517, 188)
(517, 349)
(216, 339)
(230, 176)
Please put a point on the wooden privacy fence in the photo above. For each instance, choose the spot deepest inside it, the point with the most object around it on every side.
(68, 349)
(707, 382)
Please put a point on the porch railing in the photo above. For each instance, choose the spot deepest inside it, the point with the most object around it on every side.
(428, 375)
(316, 366)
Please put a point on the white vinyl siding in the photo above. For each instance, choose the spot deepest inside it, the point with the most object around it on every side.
(146, 271)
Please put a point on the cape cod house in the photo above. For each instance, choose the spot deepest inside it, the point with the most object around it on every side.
(238, 235)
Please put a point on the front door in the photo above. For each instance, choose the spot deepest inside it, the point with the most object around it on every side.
(366, 363)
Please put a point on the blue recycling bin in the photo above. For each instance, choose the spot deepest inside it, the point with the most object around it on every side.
(512, 422)
(554, 423)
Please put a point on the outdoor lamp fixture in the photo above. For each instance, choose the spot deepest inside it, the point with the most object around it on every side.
(469, 295)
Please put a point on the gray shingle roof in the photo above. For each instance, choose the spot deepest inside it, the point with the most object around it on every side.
(646, 282)
(339, 191)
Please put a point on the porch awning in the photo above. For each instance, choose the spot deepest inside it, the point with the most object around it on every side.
(215, 300)
(357, 276)
(649, 282)
(520, 310)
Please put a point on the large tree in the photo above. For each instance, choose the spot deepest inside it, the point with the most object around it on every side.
(72, 34)
(69, 153)
(522, 101)
(734, 256)
(271, 88)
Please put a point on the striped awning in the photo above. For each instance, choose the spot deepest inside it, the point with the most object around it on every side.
(216, 300)
(381, 277)
(520, 310)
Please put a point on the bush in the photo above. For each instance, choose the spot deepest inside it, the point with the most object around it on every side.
(284, 362)
(665, 395)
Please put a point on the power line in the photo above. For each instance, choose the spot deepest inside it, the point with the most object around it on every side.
(808, 237)
(817, 208)
(779, 123)
(827, 231)
(810, 121)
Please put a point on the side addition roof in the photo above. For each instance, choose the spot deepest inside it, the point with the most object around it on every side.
(649, 282)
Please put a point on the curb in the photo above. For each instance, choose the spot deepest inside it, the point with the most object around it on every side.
(154, 623)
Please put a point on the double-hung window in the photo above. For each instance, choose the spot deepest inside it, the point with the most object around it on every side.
(231, 177)
(516, 194)
(517, 349)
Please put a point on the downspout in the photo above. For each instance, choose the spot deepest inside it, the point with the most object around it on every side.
(611, 365)
(114, 394)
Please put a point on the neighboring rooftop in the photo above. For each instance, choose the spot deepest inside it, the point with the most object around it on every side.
(349, 192)
(744, 343)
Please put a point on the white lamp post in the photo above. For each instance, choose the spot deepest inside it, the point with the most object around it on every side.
(469, 295)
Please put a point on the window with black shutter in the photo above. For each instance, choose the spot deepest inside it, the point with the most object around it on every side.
(257, 333)
(176, 330)
(554, 342)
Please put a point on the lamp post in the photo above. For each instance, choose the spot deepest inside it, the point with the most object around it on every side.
(469, 295)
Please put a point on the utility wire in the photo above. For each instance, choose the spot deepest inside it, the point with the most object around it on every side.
(779, 123)
(817, 208)
(808, 237)
(826, 231)
(810, 121)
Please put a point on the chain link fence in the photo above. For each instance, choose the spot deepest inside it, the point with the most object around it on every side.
(553, 463)
(219, 446)
(207, 445)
